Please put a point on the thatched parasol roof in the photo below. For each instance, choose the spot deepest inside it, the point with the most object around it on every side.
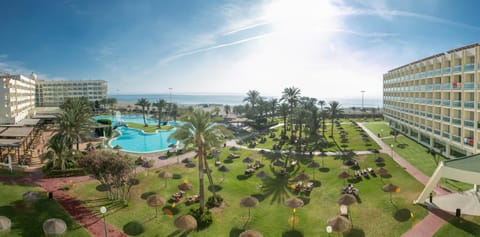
(185, 222)
(5, 223)
(155, 200)
(31, 196)
(344, 175)
(294, 202)
(185, 186)
(313, 164)
(381, 171)
(249, 202)
(223, 168)
(339, 224)
(54, 226)
(247, 160)
(346, 199)
(379, 160)
(262, 174)
(390, 188)
(165, 175)
(302, 176)
(250, 233)
(278, 163)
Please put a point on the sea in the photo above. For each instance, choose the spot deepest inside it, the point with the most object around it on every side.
(206, 99)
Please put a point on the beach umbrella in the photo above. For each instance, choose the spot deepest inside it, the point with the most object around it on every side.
(302, 176)
(31, 196)
(344, 175)
(155, 201)
(262, 174)
(314, 165)
(390, 188)
(248, 202)
(250, 233)
(379, 160)
(223, 169)
(278, 163)
(339, 224)
(5, 223)
(187, 160)
(185, 222)
(381, 172)
(294, 202)
(185, 186)
(346, 199)
(247, 160)
(54, 226)
(165, 175)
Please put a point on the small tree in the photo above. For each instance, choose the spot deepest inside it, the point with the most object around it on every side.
(112, 170)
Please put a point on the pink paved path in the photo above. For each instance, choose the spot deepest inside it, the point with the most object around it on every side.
(436, 218)
(82, 215)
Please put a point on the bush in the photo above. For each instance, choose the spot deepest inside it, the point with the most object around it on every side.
(211, 202)
(64, 173)
(203, 219)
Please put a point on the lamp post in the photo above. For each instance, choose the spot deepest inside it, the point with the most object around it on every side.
(391, 146)
(329, 230)
(103, 210)
(363, 93)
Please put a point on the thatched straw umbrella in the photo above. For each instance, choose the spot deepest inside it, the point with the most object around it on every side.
(5, 224)
(155, 201)
(344, 175)
(314, 165)
(250, 233)
(339, 224)
(185, 222)
(379, 160)
(248, 202)
(262, 174)
(278, 163)
(381, 172)
(31, 196)
(247, 160)
(165, 175)
(223, 169)
(185, 186)
(54, 226)
(346, 199)
(390, 188)
(294, 203)
(302, 177)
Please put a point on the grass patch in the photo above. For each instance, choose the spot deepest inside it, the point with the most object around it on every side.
(270, 217)
(465, 227)
(377, 128)
(28, 217)
(5, 172)
(150, 129)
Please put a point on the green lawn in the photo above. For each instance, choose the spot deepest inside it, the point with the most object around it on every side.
(150, 128)
(468, 227)
(28, 217)
(381, 128)
(270, 217)
(354, 140)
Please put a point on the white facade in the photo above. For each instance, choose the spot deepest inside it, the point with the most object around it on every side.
(54, 93)
(17, 97)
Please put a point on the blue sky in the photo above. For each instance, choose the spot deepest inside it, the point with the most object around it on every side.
(328, 49)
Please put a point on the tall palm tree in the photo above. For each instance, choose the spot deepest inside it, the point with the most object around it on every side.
(283, 110)
(73, 121)
(227, 109)
(253, 97)
(199, 130)
(142, 102)
(160, 104)
(292, 96)
(111, 103)
(174, 111)
(322, 103)
(60, 150)
(334, 110)
(310, 104)
(273, 107)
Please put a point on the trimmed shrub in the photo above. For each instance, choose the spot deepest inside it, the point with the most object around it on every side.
(211, 202)
(204, 219)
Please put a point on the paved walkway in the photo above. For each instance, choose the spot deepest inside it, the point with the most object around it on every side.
(436, 218)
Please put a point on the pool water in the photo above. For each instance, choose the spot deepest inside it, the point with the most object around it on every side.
(135, 140)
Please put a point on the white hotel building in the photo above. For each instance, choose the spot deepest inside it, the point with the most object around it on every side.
(436, 101)
(54, 93)
(17, 97)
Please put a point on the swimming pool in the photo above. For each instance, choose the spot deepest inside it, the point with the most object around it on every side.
(135, 140)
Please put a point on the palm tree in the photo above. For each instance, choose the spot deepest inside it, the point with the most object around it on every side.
(73, 121)
(292, 96)
(322, 103)
(273, 107)
(253, 97)
(142, 102)
(216, 110)
(227, 109)
(111, 103)
(160, 104)
(174, 111)
(312, 120)
(284, 113)
(60, 149)
(199, 130)
(334, 110)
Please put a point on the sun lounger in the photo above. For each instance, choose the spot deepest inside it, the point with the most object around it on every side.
(233, 155)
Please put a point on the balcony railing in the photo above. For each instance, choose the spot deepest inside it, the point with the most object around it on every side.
(446, 102)
(456, 103)
(445, 135)
(437, 117)
(468, 123)
(456, 138)
(468, 86)
(437, 72)
(457, 69)
(446, 86)
(446, 119)
(446, 70)
(437, 87)
(456, 121)
(436, 131)
(469, 104)
(468, 67)
(437, 102)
